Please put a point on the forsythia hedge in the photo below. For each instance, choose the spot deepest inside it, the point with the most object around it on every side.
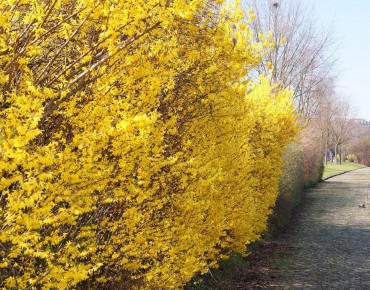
(135, 151)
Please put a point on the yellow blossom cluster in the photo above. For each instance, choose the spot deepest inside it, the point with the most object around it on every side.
(135, 151)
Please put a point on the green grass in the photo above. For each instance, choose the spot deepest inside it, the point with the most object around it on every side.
(333, 168)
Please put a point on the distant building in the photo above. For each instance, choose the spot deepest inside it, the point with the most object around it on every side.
(363, 128)
(362, 122)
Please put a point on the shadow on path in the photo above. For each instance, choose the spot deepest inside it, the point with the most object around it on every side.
(329, 245)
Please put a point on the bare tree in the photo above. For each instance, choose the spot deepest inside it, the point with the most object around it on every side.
(360, 144)
(341, 126)
(361, 148)
(324, 116)
(301, 56)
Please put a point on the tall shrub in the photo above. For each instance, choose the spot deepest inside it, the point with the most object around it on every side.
(302, 168)
(290, 188)
(134, 150)
(311, 143)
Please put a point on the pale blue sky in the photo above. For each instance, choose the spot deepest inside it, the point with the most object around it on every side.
(350, 22)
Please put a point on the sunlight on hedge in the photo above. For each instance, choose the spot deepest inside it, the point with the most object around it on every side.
(130, 152)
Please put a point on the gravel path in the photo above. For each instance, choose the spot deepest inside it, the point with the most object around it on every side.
(329, 247)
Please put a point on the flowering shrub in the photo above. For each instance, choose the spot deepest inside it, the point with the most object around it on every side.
(134, 150)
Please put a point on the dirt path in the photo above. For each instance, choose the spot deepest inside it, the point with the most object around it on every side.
(329, 246)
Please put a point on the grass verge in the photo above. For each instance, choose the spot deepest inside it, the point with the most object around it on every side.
(332, 168)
